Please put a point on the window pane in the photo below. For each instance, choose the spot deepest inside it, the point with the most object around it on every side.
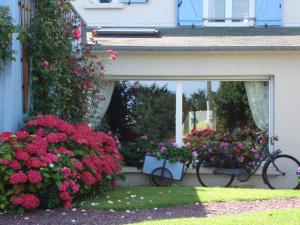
(225, 105)
(240, 9)
(198, 112)
(139, 108)
(216, 9)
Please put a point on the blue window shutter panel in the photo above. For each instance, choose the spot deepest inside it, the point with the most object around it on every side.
(268, 12)
(190, 12)
(133, 1)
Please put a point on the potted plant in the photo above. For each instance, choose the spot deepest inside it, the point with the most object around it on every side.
(167, 161)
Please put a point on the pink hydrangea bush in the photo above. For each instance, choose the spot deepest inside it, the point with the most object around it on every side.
(54, 162)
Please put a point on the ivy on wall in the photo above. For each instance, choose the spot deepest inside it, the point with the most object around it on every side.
(6, 33)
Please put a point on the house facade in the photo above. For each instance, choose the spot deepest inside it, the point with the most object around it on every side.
(207, 40)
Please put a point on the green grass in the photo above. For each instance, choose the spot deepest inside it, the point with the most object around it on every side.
(133, 198)
(276, 217)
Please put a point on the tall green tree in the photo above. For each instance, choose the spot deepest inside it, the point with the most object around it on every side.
(198, 100)
(231, 106)
(154, 112)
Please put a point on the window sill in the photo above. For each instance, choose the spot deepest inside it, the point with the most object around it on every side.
(228, 24)
(104, 6)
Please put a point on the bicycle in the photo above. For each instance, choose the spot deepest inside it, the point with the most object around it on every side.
(278, 172)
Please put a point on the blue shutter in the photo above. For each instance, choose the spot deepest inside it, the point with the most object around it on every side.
(190, 12)
(133, 1)
(268, 12)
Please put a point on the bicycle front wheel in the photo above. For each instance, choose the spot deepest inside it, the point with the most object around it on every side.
(210, 163)
(284, 176)
(161, 177)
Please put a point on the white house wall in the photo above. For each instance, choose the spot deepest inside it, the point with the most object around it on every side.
(154, 13)
(284, 67)
(291, 12)
(11, 111)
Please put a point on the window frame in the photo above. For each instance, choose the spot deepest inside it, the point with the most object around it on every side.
(228, 15)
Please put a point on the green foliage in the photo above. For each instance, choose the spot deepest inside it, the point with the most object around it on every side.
(134, 152)
(198, 100)
(66, 80)
(232, 107)
(6, 33)
(154, 112)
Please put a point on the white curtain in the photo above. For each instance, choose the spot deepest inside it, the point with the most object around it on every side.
(104, 100)
(216, 9)
(240, 9)
(258, 97)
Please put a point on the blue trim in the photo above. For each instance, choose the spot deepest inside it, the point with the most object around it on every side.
(268, 12)
(190, 12)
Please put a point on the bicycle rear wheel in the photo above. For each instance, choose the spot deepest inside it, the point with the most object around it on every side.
(286, 177)
(206, 167)
(161, 177)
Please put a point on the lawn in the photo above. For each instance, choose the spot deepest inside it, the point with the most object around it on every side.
(133, 198)
(276, 217)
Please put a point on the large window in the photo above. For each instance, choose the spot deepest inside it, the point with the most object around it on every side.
(229, 12)
(169, 110)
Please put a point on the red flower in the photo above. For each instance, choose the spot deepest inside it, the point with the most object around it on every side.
(77, 70)
(46, 64)
(34, 177)
(18, 178)
(21, 135)
(112, 54)
(68, 204)
(65, 172)
(4, 161)
(49, 158)
(15, 165)
(37, 146)
(75, 188)
(65, 151)
(65, 196)
(56, 137)
(63, 187)
(40, 132)
(89, 163)
(20, 155)
(16, 200)
(78, 165)
(245, 154)
(76, 34)
(87, 178)
(30, 201)
(5, 136)
(34, 162)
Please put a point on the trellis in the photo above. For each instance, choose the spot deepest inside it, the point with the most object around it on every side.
(26, 7)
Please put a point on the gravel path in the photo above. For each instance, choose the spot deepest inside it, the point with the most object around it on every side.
(93, 217)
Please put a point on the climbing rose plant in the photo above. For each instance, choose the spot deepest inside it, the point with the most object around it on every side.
(67, 79)
(52, 162)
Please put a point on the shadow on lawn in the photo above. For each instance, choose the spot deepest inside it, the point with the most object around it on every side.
(93, 216)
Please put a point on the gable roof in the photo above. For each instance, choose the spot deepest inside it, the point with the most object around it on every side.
(206, 39)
